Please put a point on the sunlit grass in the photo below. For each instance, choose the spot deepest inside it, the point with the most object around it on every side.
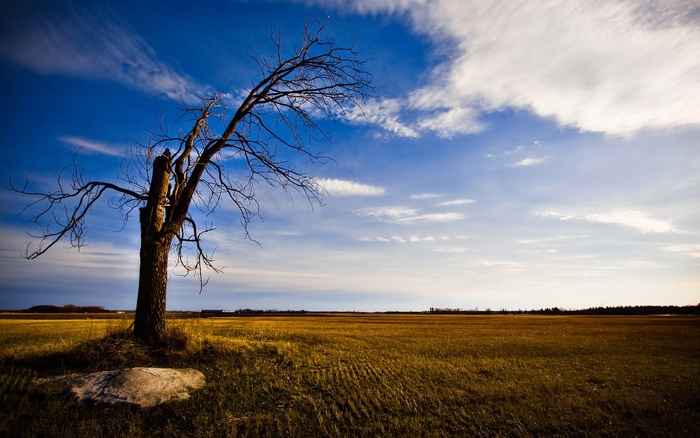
(25, 337)
(379, 375)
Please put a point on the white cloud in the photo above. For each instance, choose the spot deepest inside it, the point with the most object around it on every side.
(425, 196)
(421, 239)
(94, 146)
(691, 250)
(528, 162)
(615, 67)
(455, 202)
(451, 250)
(84, 42)
(432, 217)
(388, 212)
(550, 239)
(341, 188)
(633, 219)
(413, 239)
(630, 218)
(384, 113)
(287, 233)
(447, 121)
(404, 215)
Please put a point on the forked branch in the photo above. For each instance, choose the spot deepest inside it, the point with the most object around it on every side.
(67, 207)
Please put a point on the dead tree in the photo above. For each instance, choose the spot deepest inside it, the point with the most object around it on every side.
(281, 112)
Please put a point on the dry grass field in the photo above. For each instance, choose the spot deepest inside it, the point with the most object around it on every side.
(372, 375)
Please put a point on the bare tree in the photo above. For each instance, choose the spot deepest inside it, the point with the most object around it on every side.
(318, 80)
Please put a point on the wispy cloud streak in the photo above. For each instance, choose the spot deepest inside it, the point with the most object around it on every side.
(94, 146)
(86, 42)
(404, 215)
(455, 202)
(631, 218)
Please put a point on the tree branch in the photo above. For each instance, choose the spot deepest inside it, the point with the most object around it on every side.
(279, 114)
(82, 194)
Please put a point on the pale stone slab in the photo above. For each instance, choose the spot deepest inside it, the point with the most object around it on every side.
(144, 387)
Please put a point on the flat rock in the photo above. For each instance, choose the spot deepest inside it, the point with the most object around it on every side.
(143, 387)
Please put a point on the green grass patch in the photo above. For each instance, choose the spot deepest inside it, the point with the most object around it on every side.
(371, 375)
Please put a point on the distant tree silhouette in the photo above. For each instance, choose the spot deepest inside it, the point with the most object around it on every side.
(68, 308)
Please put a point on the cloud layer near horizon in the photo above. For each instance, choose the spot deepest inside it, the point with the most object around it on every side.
(615, 67)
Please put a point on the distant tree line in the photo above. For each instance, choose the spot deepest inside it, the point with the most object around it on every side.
(618, 310)
(68, 308)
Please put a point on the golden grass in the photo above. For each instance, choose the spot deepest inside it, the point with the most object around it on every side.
(385, 375)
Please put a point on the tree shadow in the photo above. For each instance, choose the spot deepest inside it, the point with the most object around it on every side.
(114, 351)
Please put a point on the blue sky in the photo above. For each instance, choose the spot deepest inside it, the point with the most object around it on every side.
(514, 154)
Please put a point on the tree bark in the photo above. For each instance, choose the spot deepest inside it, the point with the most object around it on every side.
(149, 321)
(156, 240)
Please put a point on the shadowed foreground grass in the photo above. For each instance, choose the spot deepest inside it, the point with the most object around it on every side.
(372, 375)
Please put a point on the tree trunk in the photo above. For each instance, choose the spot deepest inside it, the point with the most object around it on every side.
(149, 321)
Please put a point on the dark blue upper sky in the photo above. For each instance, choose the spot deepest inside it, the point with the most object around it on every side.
(514, 154)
